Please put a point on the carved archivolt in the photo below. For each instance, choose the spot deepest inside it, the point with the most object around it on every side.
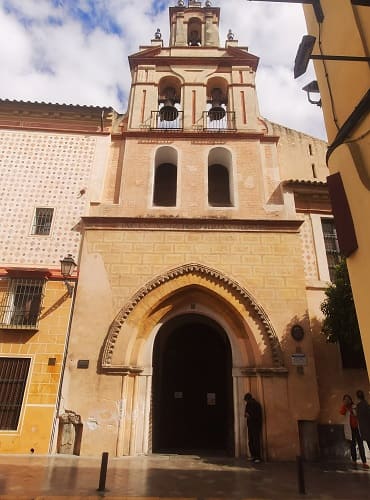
(230, 285)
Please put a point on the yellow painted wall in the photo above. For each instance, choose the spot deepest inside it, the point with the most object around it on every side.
(39, 404)
(346, 31)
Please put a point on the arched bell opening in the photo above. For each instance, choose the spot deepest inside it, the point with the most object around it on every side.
(194, 32)
(169, 97)
(192, 393)
(217, 89)
(217, 104)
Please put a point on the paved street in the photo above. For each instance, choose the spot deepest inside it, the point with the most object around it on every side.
(175, 477)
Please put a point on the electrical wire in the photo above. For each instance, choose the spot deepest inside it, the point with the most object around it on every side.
(328, 82)
(362, 136)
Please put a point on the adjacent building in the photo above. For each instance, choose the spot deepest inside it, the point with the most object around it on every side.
(49, 169)
(343, 29)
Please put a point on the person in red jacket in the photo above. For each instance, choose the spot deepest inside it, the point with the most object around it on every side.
(351, 430)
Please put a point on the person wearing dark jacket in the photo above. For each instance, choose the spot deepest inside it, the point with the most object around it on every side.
(363, 416)
(253, 414)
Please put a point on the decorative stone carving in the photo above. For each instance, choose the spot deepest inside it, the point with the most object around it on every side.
(242, 295)
(70, 417)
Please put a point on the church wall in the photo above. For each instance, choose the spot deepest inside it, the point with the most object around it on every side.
(268, 265)
(252, 197)
(301, 156)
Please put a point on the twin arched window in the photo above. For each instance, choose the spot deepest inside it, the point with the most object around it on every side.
(165, 178)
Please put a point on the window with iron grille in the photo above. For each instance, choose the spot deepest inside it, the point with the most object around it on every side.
(13, 379)
(21, 305)
(42, 221)
(331, 245)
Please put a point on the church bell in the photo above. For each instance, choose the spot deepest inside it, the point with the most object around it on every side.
(168, 112)
(217, 111)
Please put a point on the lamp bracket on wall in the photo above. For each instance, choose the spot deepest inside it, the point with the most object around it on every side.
(312, 88)
(67, 266)
(304, 54)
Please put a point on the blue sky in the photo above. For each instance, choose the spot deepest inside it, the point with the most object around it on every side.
(75, 51)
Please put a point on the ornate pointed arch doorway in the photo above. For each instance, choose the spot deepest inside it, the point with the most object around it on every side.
(192, 387)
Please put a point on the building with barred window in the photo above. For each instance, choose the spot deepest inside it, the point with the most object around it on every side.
(345, 95)
(204, 241)
(49, 157)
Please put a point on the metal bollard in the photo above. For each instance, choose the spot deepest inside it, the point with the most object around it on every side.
(103, 471)
(300, 475)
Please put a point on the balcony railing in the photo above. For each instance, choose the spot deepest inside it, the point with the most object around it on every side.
(211, 121)
(222, 121)
(167, 119)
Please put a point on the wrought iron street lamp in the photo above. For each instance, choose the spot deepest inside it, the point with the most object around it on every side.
(67, 266)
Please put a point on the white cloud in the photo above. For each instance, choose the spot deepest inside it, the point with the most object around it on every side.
(75, 51)
(15, 49)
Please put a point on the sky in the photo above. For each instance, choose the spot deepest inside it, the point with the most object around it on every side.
(75, 52)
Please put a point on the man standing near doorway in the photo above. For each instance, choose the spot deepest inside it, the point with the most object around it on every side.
(253, 414)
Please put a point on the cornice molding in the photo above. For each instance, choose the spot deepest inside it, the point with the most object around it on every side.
(231, 56)
(168, 135)
(168, 223)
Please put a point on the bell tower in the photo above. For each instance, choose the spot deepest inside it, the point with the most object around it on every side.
(200, 85)
(194, 248)
(192, 104)
(194, 26)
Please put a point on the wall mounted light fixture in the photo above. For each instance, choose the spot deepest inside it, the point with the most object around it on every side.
(67, 266)
(312, 88)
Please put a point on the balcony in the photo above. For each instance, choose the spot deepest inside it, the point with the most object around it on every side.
(218, 121)
(211, 121)
(167, 119)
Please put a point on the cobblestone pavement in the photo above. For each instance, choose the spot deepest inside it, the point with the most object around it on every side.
(176, 477)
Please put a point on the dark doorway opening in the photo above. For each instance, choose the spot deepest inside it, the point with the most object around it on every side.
(192, 406)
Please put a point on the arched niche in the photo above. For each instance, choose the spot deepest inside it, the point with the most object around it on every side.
(165, 177)
(169, 91)
(165, 154)
(195, 32)
(217, 87)
(220, 178)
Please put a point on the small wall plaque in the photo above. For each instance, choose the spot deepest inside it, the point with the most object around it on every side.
(211, 398)
(299, 359)
(83, 363)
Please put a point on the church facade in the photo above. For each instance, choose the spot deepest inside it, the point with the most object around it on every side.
(207, 242)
